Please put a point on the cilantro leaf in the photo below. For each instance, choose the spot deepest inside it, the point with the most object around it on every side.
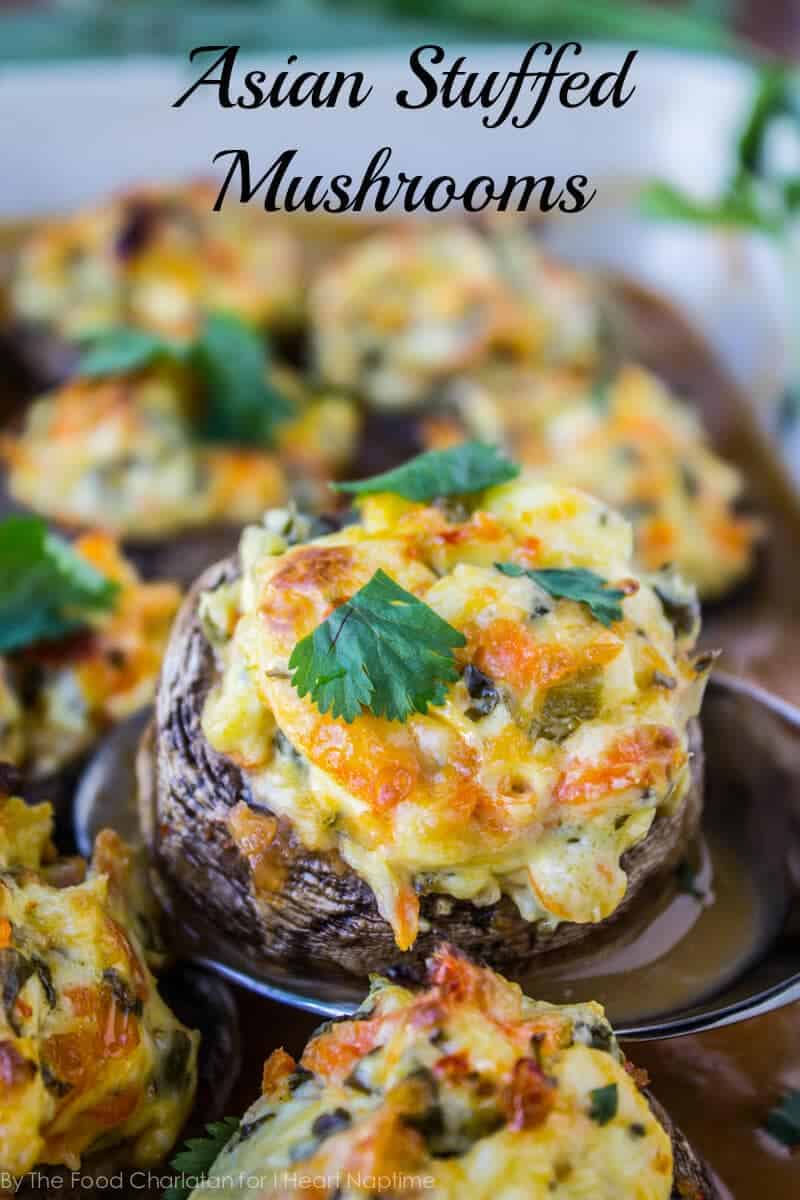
(46, 589)
(383, 649)
(574, 583)
(122, 349)
(241, 405)
(604, 1103)
(228, 357)
(469, 467)
(783, 1121)
(199, 1156)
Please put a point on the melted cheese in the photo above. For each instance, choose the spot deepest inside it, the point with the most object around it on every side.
(465, 1089)
(89, 1053)
(158, 258)
(629, 442)
(122, 452)
(538, 798)
(56, 698)
(401, 310)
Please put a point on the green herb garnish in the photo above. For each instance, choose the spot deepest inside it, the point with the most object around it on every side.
(574, 583)
(123, 349)
(756, 196)
(229, 358)
(199, 1156)
(241, 405)
(753, 197)
(783, 1121)
(46, 588)
(469, 467)
(383, 650)
(604, 1103)
(661, 200)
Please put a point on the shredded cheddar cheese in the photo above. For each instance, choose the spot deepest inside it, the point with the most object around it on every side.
(57, 697)
(398, 312)
(89, 1053)
(628, 441)
(157, 258)
(122, 452)
(465, 1088)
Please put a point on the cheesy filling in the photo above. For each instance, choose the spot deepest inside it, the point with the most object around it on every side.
(157, 258)
(467, 1088)
(551, 755)
(90, 1056)
(400, 311)
(628, 441)
(123, 452)
(57, 697)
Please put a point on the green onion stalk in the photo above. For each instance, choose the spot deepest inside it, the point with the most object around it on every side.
(759, 198)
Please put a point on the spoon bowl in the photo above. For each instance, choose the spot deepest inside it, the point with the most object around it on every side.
(718, 944)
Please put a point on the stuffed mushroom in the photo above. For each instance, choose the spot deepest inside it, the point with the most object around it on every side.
(401, 311)
(82, 640)
(312, 789)
(457, 1084)
(156, 258)
(626, 439)
(90, 1055)
(174, 460)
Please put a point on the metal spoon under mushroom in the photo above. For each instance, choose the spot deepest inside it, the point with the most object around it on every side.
(717, 944)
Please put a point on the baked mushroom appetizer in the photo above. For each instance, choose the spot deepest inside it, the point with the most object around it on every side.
(465, 715)
(400, 311)
(626, 439)
(81, 642)
(174, 447)
(90, 1055)
(458, 1085)
(156, 258)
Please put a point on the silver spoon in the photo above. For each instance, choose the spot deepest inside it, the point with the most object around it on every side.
(723, 951)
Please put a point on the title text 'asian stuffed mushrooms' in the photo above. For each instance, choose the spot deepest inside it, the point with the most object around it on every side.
(90, 1055)
(465, 715)
(459, 1087)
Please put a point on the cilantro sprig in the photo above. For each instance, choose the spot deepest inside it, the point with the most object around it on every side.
(46, 589)
(383, 650)
(196, 1160)
(574, 583)
(468, 467)
(229, 358)
(783, 1121)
